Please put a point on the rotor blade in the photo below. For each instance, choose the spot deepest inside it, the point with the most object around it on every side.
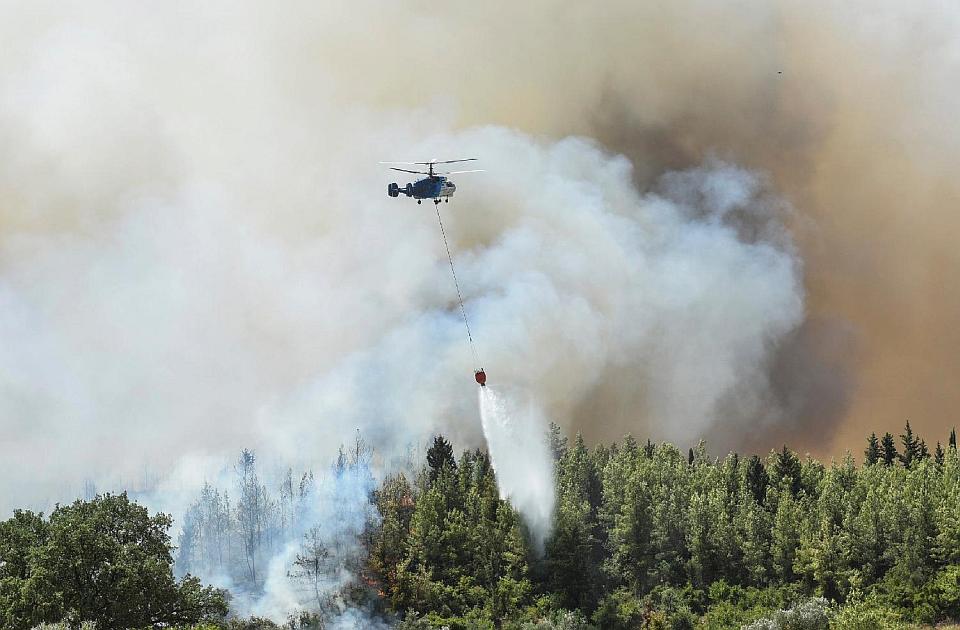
(408, 171)
(432, 162)
(476, 170)
(450, 161)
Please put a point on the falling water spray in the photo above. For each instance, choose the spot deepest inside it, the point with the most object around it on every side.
(516, 432)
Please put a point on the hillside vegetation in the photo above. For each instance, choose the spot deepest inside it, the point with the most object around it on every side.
(645, 536)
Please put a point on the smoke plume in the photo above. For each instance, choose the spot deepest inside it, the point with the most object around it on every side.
(698, 219)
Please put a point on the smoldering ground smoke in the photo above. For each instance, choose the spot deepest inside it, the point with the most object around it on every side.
(194, 258)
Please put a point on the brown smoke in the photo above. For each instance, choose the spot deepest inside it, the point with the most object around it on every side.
(852, 112)
(849, 106)
(857, 132)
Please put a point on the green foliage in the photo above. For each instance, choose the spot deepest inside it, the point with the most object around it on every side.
(105, 560)
(889, 449)
(911, 446)
(574, 553)
(757, 479)
(785, 535)
(440, 456)
(459, 552)
(786, 470)
(21, 536)
(936, 600)
(622, 610)
(872, 453)
(560, 620)
(644, 536)
(732, 606)
(557, 440)
(394, 502)
(867, 615)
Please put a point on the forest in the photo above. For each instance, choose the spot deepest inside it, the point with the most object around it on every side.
(645, 536)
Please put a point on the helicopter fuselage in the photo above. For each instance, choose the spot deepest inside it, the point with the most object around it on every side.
(436, 188)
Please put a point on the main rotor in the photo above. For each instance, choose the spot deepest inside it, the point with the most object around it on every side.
(430, 172)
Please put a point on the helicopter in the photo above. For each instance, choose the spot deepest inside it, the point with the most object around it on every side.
(436, 185)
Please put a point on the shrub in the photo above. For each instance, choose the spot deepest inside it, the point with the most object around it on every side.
(560, 620)
(812, 614)
(867, 615)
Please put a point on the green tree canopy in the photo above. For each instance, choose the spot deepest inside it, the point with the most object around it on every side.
(104, 560)
(889, 447)
(911, 446)
(440, 456)
(872, 453)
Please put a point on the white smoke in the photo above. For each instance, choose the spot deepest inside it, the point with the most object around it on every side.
(516, 434)
(195, 325)
(336, 512)
(309, 530)
(197, 254)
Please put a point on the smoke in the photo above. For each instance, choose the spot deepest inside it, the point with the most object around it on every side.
(336, 512)
(194, 259)
(284, 545)
(698, 219)
(516, 435)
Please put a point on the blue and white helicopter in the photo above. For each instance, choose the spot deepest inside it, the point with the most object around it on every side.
(435, 185)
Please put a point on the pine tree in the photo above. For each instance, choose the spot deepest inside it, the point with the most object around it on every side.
(757, 479)
(889, 449)
(252, 509)
(440, 455)
(571, 556)
(946, 545)
(312, 565)
(558, 441)
(648, 449)
(690, 457)
(953, 438)
(753, 530)
(785, 536)
(938, 455)
(394, 501)
(787, 469)
(576, 475)
(911, 446)
(872, 454)
(924, 452)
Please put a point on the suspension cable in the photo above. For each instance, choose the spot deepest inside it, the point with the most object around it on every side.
(453, 271)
